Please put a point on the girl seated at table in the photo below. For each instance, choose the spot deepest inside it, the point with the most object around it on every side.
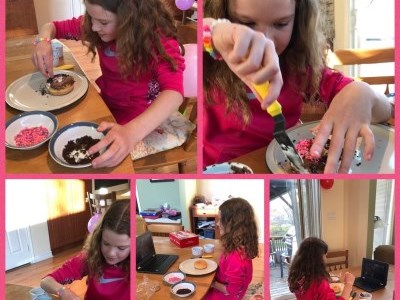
(141, 64)
(308, 275)
(105, 259)
(239, 239)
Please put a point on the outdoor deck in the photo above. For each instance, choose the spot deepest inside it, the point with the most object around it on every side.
(278, 286)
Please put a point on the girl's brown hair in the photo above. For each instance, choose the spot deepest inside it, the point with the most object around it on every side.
(140, 25)
(304, 56)
(117, 219)
(308, 265)
(240, 228)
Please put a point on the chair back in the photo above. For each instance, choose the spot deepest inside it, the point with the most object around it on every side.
(163, 229)
(355, 57)
(99, 203)
(385, 253)
(337, 260)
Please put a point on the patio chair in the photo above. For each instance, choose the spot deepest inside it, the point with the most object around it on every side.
(337, 260)
(286, 256)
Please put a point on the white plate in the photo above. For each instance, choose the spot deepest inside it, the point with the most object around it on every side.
(29, 120)
(25, 93)
(224, 168)
(187, 267)
(68, 133)
(382, 162)
(339, 286)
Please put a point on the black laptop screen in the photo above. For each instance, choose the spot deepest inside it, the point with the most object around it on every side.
(144, 247)
(375, 271)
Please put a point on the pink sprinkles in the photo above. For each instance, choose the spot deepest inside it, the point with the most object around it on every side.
(31, 136)
(303, 149)
(174, 279)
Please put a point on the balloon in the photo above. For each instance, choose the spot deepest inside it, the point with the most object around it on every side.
(94, 220)
(184, 4)
(326, 183)
(190, 72)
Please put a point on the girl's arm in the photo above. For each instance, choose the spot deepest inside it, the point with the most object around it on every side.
(349, 116)
(51, 286)
(120, 140)
(249, 54)
(43, 54)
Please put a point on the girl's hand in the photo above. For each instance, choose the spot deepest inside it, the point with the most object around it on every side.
(42, 58)
(67, 294)
(117, 144)
(348, 117)
(251, 56)
(348, 278)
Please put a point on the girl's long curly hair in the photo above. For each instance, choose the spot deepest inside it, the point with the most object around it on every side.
(308, 264)
(117, 219)
(304, 56)
(140, 25)
(240, 228)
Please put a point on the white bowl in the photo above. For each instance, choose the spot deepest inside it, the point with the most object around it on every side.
(209, 248)
(172, 278)
(183, 285)
(28, 120)
(71, 133)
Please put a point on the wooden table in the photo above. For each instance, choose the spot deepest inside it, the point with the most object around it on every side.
(164, 246)
(90, 108)
(20, 292)
(255, 160)
(385, 293)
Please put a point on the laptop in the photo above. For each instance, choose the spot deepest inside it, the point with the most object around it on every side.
(374, 275)
(147, 261)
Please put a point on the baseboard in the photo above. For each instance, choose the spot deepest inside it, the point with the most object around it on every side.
(41, 257)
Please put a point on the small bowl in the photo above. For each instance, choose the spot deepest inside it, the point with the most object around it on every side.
(186, 286)
(197, 251)
(209, 248)
(172, 278)
(68, 133)
(28, 120)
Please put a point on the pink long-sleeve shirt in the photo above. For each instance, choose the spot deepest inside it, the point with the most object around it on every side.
(113, 284)
(235, 270)
(128, 98)
(225, 136)
(318, 291)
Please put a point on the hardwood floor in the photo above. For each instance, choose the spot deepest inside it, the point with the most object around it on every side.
(92, 72)
(30, 275)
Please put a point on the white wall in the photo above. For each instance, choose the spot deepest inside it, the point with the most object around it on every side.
(187, 191)
(27, 209)
(56, 10)
(344, 211)
(250, 189)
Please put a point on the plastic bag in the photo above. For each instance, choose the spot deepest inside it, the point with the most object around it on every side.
(146, 288)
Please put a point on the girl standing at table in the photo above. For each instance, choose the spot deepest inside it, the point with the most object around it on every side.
(141, 63)
(280, 42)
(105, 260)
(308, 276)
(239, 239)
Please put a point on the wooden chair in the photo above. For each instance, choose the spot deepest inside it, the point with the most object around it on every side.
(177, 156)
(337, 260)
(348, 57)
(385, 253)
(99, 203)
(163, 229)
(141, 226)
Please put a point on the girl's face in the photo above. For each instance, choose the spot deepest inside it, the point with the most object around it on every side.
(115, 247)
(274, 18)
(104, 22)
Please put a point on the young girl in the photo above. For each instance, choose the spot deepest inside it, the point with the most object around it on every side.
(308, 277)
(105, 259)
(280, 42)
(239, 238)
(141, 64)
